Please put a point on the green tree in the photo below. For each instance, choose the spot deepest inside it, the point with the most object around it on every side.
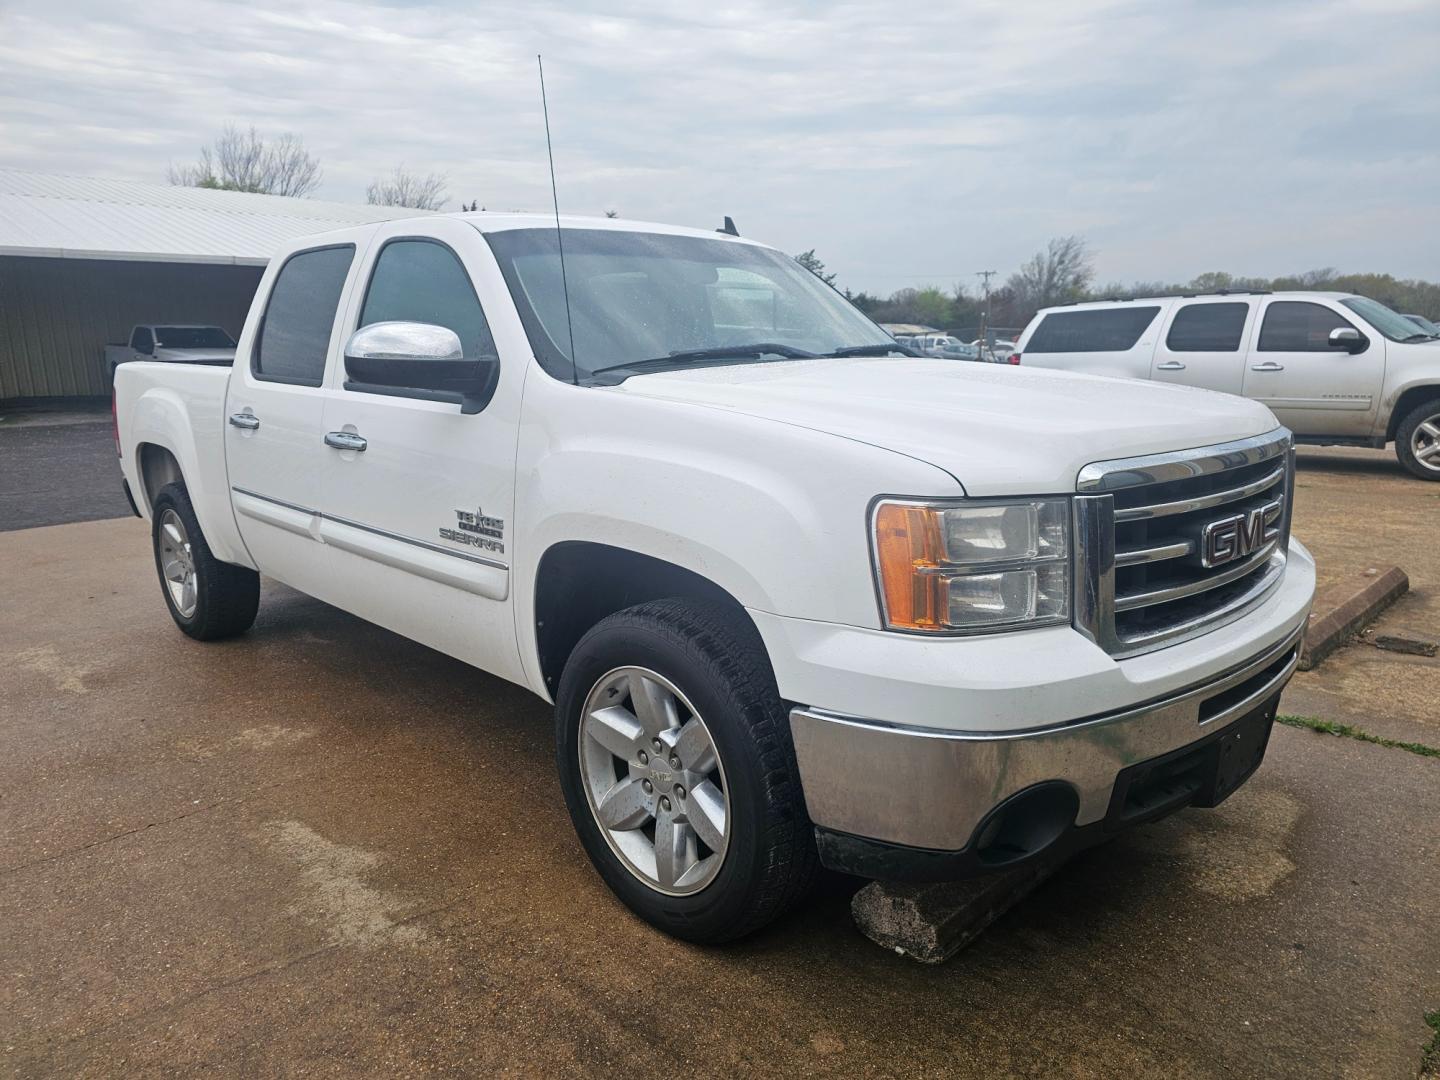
(811, 262)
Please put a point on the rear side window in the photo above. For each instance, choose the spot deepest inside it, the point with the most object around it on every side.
(1298, 326)
(423, 281)
(1207, 328)
(142, 340)
(1097, 330)
(299, 316)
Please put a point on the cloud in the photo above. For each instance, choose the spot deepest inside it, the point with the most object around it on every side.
(905, 144)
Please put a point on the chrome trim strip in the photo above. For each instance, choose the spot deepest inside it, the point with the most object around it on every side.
(465, 555)
(1131, 601)
(417, 543)
(1182, 464)
(1136, 556)
(1201, 502)
(278, 502)
(931, 789)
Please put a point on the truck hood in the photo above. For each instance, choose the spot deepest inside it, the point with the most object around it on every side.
(999, 430)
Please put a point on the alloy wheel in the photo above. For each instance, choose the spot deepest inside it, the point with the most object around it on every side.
(177, 563)
(654, 781)
(1425, 443)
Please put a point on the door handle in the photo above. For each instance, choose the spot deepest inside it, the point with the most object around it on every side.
(345, 440)
(1269, 365)
(248, 421)
(1170, 365)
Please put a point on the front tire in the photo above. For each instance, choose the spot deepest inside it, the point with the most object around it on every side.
(207, 598)
(679, 773)
(1417, 440)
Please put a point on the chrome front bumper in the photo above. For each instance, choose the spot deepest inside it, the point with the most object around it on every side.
(930, 789)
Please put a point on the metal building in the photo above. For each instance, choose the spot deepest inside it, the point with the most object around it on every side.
(84, 259)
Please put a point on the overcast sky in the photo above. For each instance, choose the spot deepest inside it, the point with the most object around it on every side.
(908, 144)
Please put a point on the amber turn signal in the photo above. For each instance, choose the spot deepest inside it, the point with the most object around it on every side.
(909, 548)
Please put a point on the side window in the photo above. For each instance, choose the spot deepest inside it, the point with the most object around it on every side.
(1097, 330)
(299, 316)
(422, 281)
(1207, 328)
(1298, 326)
(142, 340)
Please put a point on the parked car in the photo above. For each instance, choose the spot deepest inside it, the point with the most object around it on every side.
(797, 599)
(996, 352)
(943, 345)
(1337, 369)
(172, 344)
(1426, 326)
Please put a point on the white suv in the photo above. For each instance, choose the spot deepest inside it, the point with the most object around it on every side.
(1335, 368)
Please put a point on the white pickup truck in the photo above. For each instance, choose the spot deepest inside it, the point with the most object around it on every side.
(172, 344)
(797, 599)
(1337, 369)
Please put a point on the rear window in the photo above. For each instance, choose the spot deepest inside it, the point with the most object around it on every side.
(1096, 330)
(1207, 328)
(295, 334)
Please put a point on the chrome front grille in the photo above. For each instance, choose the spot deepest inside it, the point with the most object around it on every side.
(1173, 545)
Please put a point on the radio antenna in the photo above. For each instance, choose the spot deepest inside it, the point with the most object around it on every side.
(559, 234)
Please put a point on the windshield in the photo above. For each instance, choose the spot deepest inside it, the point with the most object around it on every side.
(637, 297)
(192, 337)
(1394, 326)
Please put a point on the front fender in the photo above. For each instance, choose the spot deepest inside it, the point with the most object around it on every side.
(774, 514)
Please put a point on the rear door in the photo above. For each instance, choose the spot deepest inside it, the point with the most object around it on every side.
(1117, 339)
(274, 417)
(1313, 388)
(1203, 344)
(418, 521)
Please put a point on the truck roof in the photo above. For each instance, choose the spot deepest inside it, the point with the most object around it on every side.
(489, 221)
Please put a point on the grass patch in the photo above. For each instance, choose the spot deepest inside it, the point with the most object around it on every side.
(1329, 727)
(1430, 1056)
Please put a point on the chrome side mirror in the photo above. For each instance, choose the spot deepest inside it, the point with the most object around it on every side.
(1347, 338)
(410, 359)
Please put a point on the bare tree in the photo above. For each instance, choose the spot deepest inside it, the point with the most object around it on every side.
(244, 161)
(403, 188)
(612, 213)
(1061, 272)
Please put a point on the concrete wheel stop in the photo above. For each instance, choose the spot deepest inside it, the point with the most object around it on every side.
(931, 923)
(1344, 607)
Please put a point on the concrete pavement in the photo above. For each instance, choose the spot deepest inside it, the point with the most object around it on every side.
(320, 850)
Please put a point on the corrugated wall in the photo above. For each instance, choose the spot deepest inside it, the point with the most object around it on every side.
(56, 315)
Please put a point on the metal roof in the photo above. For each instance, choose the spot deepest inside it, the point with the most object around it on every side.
(83, 217)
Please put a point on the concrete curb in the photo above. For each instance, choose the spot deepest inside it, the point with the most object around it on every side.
(1345, 606)
(931, 923)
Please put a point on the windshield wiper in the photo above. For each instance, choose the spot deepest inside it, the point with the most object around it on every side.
(873, 350)
(1417, 337)
(718, 352)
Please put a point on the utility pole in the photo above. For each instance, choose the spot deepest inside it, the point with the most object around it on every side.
(985, 276)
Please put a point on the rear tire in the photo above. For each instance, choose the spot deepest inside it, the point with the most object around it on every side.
(207, 598)
(741, 850)
(1417, 440)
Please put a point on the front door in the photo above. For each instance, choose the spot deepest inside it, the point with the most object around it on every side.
(1313, 387)
(419, 520)
(274, 417)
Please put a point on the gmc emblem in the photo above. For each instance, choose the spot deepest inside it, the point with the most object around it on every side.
(1235, 537)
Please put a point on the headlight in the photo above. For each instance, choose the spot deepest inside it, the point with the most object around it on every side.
(987, 566)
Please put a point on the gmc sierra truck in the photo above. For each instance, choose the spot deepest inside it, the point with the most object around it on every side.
(797, 598)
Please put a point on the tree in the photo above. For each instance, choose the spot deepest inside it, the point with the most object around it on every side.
(1061, 272)
(408, 189)
(808, 260)
(612, 213)
(243, 161)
